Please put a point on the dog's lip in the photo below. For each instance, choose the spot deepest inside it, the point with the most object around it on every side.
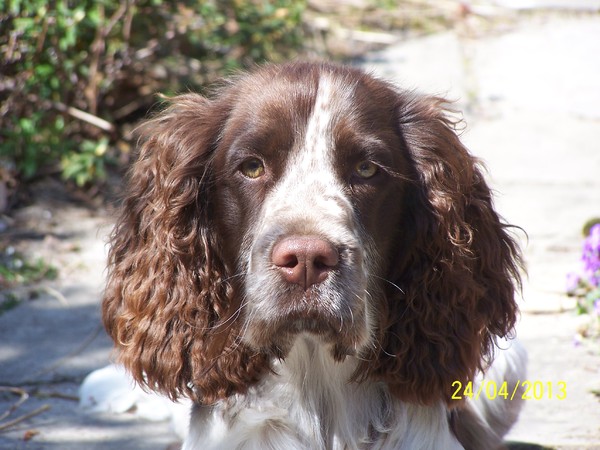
(321, 330)
(310, 325)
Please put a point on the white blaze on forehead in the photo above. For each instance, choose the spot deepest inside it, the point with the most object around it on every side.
(318, 138)
(310, 187)
(310, 197)
(317, 149)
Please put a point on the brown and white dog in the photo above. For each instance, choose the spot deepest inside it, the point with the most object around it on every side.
(312, 256)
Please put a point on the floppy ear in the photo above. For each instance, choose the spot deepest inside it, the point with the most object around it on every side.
(168, 304)
(456, 268)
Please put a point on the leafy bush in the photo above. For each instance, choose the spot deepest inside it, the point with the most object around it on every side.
(74, 74)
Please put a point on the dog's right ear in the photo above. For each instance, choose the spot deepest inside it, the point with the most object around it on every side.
(168, 303)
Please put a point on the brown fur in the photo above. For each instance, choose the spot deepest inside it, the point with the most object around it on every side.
(172, 303)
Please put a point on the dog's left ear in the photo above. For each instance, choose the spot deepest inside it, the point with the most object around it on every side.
(457, 268)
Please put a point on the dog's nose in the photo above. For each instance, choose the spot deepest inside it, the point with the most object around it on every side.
(304, 260)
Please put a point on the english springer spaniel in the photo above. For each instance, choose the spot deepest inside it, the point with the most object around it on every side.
(313, 258)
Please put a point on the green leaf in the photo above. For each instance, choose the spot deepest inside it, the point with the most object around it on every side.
(44, 70)
(24, 24)
(27, 125)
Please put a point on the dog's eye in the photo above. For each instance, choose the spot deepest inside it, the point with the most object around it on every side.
(253, 168)
(366, 169)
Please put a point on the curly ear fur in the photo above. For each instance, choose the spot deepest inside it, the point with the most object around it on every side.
(168, 304)
(457, 266)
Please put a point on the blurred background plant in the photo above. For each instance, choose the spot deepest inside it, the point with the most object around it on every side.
(76, 74)
(584, 285)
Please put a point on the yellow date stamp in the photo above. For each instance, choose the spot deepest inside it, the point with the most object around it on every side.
(524, 390)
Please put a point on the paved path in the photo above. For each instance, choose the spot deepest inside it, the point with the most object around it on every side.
(532, 99)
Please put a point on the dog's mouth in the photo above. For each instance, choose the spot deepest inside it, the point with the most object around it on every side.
(277, 337)
(319, 327)
(333, 313)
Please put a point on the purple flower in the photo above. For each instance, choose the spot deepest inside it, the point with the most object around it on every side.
(591, 256)
(594, 236)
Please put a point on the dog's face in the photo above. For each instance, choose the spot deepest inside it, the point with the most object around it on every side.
(309, 188)
(307, 199)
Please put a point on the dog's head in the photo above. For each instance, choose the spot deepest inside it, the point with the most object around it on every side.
(307, 199)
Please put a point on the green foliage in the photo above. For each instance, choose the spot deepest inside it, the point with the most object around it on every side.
(109, 58)
(15, 271)
(86, 165)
